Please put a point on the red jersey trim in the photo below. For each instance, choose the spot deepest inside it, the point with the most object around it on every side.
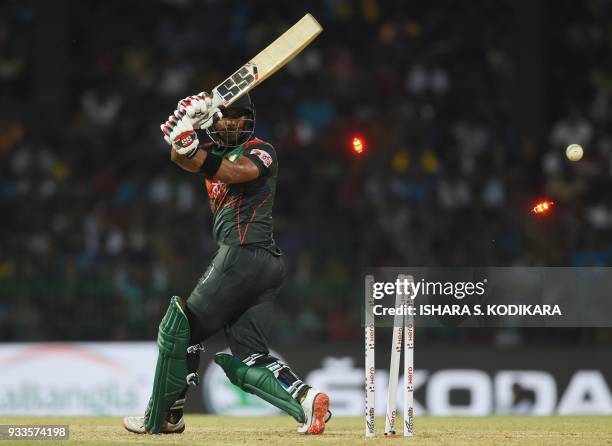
(255, 141)
(242, 237)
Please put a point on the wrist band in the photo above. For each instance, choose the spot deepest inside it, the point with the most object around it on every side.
(211, 164)
(193, 153)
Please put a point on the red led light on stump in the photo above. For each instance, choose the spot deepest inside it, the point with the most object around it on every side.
(542, 207)
(358, 145)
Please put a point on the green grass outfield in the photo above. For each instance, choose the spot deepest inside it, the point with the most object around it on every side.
(215, 430)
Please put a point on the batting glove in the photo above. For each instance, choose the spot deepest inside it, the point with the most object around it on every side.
(184, 138)
(169, 125)
(196, 107)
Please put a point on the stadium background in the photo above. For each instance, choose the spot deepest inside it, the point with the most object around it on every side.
(465, 110)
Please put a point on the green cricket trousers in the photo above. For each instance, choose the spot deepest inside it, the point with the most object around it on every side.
(236, 293)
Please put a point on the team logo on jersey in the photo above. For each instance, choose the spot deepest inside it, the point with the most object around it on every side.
(216, 189)
(263, 156)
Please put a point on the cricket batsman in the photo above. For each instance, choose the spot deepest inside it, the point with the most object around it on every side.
(236, 293)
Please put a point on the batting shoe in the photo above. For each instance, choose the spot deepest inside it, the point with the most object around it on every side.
(316, 411)
(137, 425)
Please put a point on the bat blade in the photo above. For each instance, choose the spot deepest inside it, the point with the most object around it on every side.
(267, 62)
(286, 47)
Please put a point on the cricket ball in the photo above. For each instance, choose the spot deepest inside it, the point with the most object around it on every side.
(574, 152)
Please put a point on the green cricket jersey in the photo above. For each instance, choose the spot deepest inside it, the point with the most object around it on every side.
(242, 213)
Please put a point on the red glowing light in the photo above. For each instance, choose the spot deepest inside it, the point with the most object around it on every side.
(542, 207)
(358, 145)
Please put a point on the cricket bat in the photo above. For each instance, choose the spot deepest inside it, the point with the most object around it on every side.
(264, 65)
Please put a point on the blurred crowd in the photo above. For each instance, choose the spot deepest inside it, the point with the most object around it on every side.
(99, 228)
